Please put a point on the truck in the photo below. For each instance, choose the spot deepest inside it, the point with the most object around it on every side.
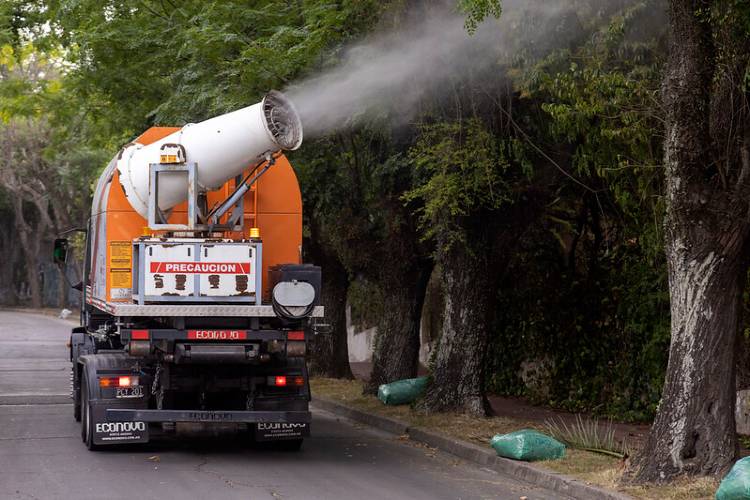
(196, 308)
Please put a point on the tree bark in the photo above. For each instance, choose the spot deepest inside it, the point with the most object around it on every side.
(706, 245)
(471, 273)
(396, 351)
(458, 375)
(329, 350)
(30, 246)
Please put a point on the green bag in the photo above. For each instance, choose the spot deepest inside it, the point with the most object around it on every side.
(527, 445)
(736, 484)
(402, 392)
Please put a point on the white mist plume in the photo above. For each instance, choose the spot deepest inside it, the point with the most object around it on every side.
(392, 71)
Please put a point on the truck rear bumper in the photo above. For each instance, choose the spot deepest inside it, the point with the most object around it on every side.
(127, 415)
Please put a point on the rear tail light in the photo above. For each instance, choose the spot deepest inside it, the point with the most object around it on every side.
(297, 335)
(285, 381)
(139, 334)
(121, 381)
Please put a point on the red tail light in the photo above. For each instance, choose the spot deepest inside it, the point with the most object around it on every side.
(297, 335)
(139, 334)
(285, 381)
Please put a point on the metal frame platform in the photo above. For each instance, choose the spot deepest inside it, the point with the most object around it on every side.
(123, 415)
(196, 310)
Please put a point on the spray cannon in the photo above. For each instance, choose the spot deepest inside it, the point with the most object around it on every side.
(201, 157)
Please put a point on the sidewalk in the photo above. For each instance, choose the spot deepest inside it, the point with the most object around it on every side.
(468, 437)
(517, 408)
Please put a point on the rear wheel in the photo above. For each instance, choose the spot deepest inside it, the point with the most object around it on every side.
(76, 398)
(87, 419)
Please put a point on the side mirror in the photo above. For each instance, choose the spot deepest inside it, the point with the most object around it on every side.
(60, 251)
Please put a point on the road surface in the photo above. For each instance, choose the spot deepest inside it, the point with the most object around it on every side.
(42, 456)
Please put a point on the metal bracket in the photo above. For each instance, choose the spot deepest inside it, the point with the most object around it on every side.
(157, 220)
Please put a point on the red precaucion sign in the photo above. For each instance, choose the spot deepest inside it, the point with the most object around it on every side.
(201, 267)
(217, 334)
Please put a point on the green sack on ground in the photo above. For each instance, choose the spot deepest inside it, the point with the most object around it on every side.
(527, 445)
(736, 484)
(402, 392)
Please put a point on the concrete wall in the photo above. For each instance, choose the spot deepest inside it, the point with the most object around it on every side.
(360, 344)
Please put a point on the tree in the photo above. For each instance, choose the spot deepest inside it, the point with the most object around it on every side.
(22, 143)
(353, 183)
(329, 351)
(707, 231)
(46, 169)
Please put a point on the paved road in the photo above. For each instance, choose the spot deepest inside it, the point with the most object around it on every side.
(41, 454)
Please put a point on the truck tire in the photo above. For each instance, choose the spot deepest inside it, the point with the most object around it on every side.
(87, 422)
(76, 399)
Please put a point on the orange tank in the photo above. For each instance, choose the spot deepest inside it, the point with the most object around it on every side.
(273, 205)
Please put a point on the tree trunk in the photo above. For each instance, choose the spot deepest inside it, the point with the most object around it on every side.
(329, 350)
(694, 429)
(458, 378)
(32, 276)
(706, 245)
(30, 246)
(396, 351)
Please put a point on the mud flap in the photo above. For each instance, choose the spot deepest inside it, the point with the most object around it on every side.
(106, 432)
(277, 431)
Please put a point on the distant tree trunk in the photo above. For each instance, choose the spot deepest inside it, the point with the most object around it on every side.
(396, 351)
(471, 273)
(706, 245)
(30, 246)
(330, 353)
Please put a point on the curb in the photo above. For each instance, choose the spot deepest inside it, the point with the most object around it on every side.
(538, 476)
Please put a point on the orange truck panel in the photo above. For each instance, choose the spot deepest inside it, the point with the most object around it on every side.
(278, 215)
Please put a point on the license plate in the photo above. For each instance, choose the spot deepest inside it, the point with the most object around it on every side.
(129, 392)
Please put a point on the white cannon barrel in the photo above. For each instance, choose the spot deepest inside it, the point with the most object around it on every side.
(221, 147)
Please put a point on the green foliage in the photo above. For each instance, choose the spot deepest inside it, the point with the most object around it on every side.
(464, 171)
(352, 185)
(587, 293)
(603, 331)
(170, 63)
(477, 11)
(601, 101)
(588, 434)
